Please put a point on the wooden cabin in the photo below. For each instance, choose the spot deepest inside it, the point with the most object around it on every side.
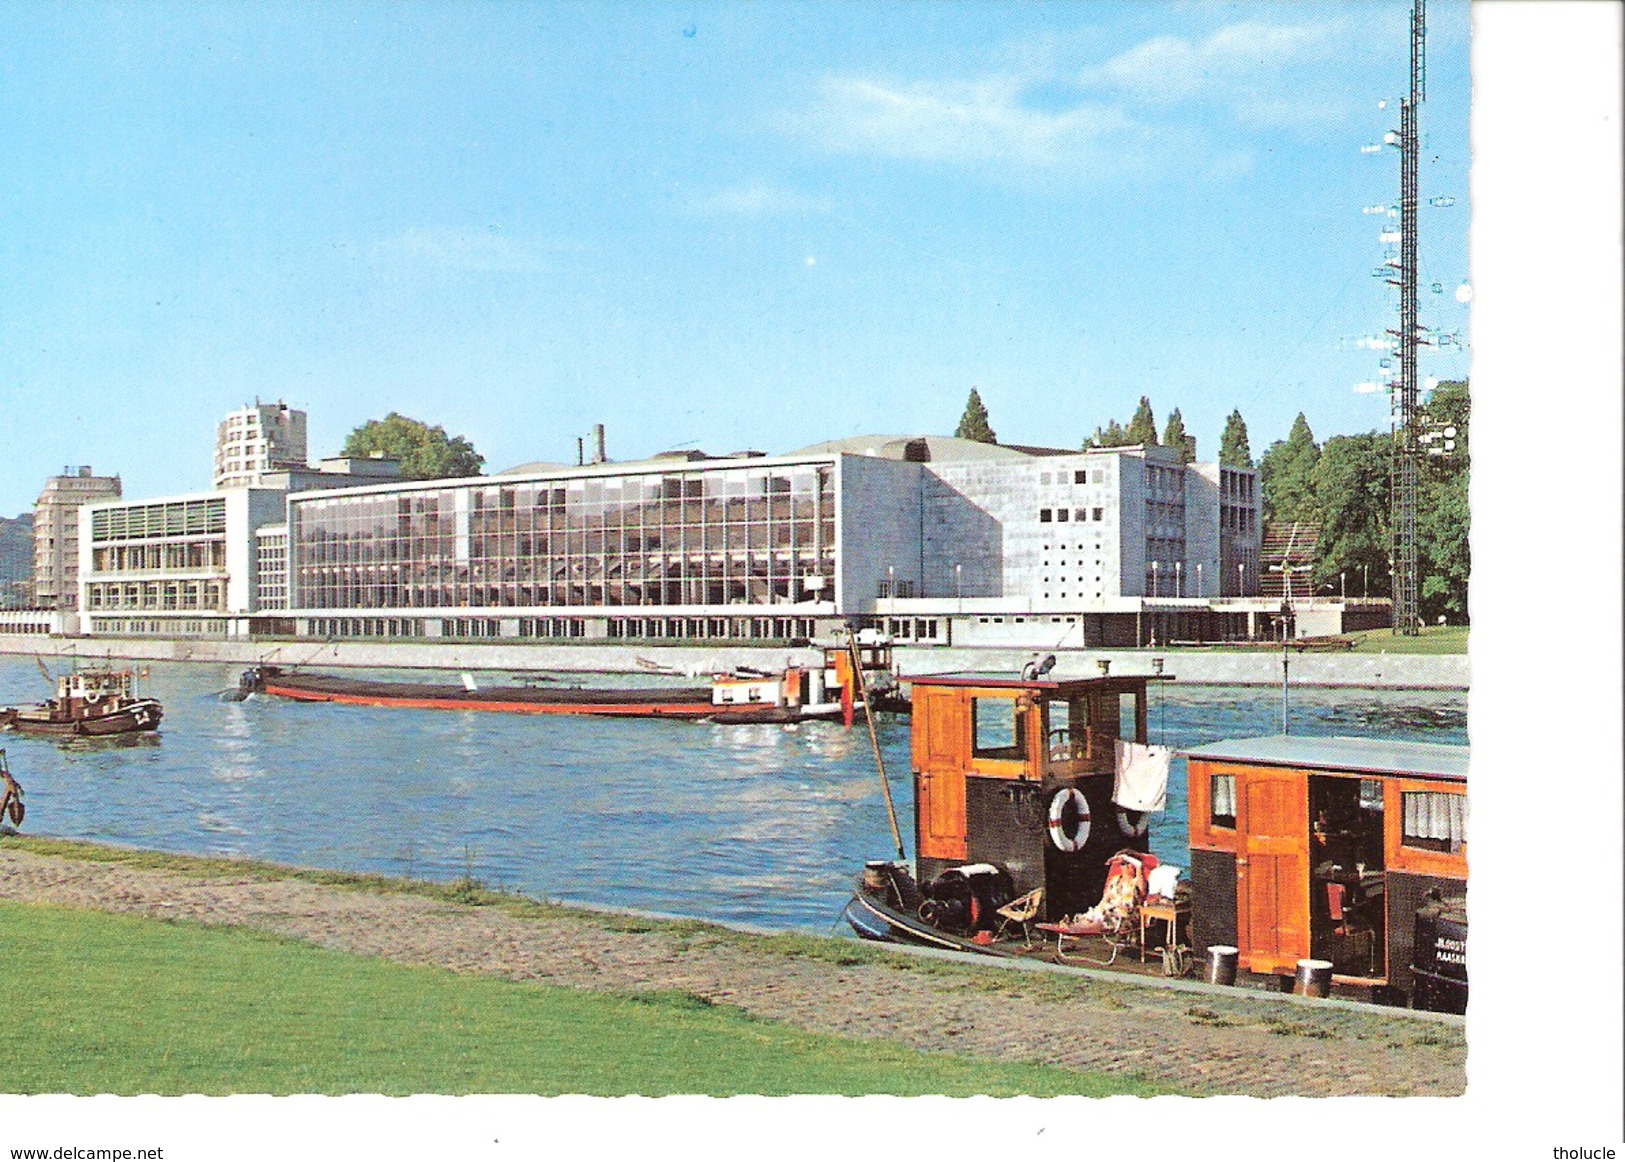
(1325, 849)
(994, 758)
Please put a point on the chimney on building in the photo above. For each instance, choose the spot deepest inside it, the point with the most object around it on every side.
(598, 456)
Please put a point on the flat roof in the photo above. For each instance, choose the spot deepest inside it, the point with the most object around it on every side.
(1005, 680)
(1374, 755)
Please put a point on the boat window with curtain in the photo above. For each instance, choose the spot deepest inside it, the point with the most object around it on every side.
(1223, 799)
(1434, 821)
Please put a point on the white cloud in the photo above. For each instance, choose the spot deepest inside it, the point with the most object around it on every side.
(1265, 74)
(480, 251)
(1159, 105)
(983, 121)
(759, 200)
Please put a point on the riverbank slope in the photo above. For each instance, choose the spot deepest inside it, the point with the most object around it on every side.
(1218, 1041)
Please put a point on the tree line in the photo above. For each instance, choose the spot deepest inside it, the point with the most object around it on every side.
(1343, 486)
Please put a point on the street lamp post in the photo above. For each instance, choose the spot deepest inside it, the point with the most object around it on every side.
(1154, 565)
(1198, 578)
(1179, 579)
(959, 586)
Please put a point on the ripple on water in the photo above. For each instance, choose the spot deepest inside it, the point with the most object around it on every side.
(749, 823)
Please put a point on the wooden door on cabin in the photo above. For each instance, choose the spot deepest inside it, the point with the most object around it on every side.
(942, 750)
(1272, 869)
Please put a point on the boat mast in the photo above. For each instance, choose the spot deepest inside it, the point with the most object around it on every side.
(874, 739)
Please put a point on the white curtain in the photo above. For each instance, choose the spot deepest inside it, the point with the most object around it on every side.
(1224, 796)
(1436, 815)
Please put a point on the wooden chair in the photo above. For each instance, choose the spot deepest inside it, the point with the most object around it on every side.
(1022, 910)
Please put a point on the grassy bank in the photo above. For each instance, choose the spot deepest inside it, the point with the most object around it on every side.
(1433, 639)
(115, 1004)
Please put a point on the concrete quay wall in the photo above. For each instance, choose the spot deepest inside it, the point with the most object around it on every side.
(1192, 667)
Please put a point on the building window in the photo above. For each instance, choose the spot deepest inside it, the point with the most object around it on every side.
(1061, 514)
(1434, 821)
(1081, 476)
(1044, 516)
(1098, 516)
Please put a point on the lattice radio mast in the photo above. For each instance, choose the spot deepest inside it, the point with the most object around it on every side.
(1407, 448)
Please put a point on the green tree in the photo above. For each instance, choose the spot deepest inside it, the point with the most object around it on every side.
(1285, 475)
(425, 453)
(973, 425)
(1142, 429)
(1443, 517)
(1349, 486)
(1233, 449)
(1111, 436)
(1175, 436)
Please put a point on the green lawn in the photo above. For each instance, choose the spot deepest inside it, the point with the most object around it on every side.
(1434, 639)
(101, 1003)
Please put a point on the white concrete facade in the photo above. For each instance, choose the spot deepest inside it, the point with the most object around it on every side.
(179, 566)
(254, 440)
(56, 533)
(938, 540)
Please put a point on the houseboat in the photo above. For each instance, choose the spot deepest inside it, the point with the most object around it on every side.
(1344, 852)
(1015, 786)
(88, 703)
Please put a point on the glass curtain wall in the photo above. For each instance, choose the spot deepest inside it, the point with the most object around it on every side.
(734, 536)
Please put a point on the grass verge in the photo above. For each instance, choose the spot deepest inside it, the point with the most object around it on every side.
(117, 1004)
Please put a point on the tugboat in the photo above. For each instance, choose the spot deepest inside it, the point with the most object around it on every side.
(88, 703)
(1019, 793)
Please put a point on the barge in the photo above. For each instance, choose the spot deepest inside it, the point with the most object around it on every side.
(850, 679)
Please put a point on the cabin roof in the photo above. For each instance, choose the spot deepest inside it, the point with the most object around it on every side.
(1005, 680)
(1365, 755)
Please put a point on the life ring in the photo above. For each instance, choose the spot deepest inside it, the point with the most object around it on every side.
(1133, 830)
(1058, 804)
(92, 697)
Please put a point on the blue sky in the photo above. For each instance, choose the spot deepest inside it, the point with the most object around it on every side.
(722, 226)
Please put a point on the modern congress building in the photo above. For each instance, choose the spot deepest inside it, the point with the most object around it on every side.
(933, 539)
(918, 534)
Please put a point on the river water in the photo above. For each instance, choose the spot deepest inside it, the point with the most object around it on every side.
(764, 825)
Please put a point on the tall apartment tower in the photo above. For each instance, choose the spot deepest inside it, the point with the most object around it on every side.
(56, 533)
(255, 440)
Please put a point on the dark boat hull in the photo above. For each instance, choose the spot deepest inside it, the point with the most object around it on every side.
(874, 919)
(141, 716)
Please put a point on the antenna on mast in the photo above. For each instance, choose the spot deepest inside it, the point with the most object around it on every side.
(1407, 449)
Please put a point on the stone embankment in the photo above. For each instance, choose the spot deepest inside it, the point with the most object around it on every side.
(1198, 1039)
(1192, 667)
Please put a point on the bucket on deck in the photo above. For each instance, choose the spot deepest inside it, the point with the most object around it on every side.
(1314, 978)
(1221, 964)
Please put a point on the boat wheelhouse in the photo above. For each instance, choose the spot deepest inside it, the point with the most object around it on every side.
(1349, 851)
(1019, 773)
